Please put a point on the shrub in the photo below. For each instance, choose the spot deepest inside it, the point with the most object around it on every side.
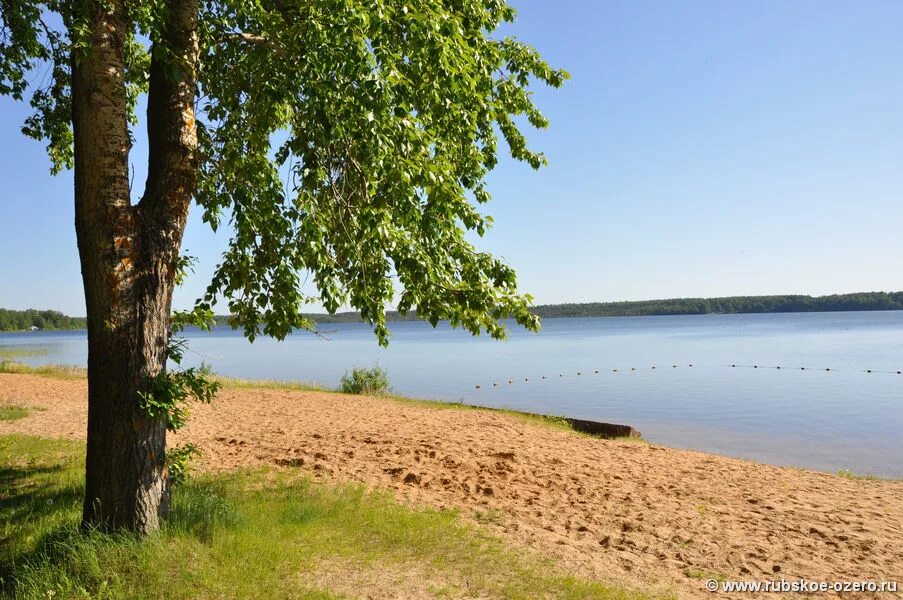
(177, 460)
(365, 381)
(205, 370)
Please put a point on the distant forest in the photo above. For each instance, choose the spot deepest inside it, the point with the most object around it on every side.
(729, 305)
(18, 320)
(682, 306)
(13, 320)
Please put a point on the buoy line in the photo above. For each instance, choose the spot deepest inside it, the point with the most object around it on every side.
(510, 381)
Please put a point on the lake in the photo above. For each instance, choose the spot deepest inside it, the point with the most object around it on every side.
(801, 414)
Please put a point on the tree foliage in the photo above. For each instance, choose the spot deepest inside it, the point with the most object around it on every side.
(345, 141)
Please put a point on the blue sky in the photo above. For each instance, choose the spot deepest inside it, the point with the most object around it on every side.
(700, 149)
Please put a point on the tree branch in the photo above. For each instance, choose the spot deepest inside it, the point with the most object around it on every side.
(250, 38)
(171, 127)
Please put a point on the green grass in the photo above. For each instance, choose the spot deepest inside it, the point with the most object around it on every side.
(8, 353)
(12, 413)
(846, 473)
(252, 534)
(700, 574)
(71, 372)
(55, 371)
(270, 384)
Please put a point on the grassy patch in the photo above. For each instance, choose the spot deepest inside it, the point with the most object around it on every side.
(547, 420)
(846, 473)
(632, 439)
(490, 516)
(57, 371)
(269, 384)
(9, 352)
(700, 574)
(12, 413)
(251, 534)
(71, 372)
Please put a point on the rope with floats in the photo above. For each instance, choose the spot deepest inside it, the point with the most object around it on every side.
(675, 366)
(779, 368)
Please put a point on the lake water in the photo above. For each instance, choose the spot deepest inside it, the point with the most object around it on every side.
(845, 418)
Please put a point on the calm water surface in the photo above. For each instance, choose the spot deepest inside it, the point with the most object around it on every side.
(844, 418)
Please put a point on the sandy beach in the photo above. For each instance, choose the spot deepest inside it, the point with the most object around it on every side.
(661, 519)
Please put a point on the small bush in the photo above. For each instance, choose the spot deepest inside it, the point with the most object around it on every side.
(365, 381)
(177, 462)
(12, 413)
(205, 370)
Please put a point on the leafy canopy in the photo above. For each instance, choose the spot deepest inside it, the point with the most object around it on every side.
(347, 141)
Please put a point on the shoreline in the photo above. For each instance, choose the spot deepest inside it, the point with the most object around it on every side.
(343, 319)
(616, 510)
(575, 424)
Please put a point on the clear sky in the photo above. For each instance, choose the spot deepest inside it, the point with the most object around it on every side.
(700, 149)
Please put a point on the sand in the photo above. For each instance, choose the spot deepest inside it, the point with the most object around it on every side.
(657, 518)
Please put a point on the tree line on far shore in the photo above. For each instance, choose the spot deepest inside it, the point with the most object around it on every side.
(17, 320)
(728, 305)
(680, 306)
